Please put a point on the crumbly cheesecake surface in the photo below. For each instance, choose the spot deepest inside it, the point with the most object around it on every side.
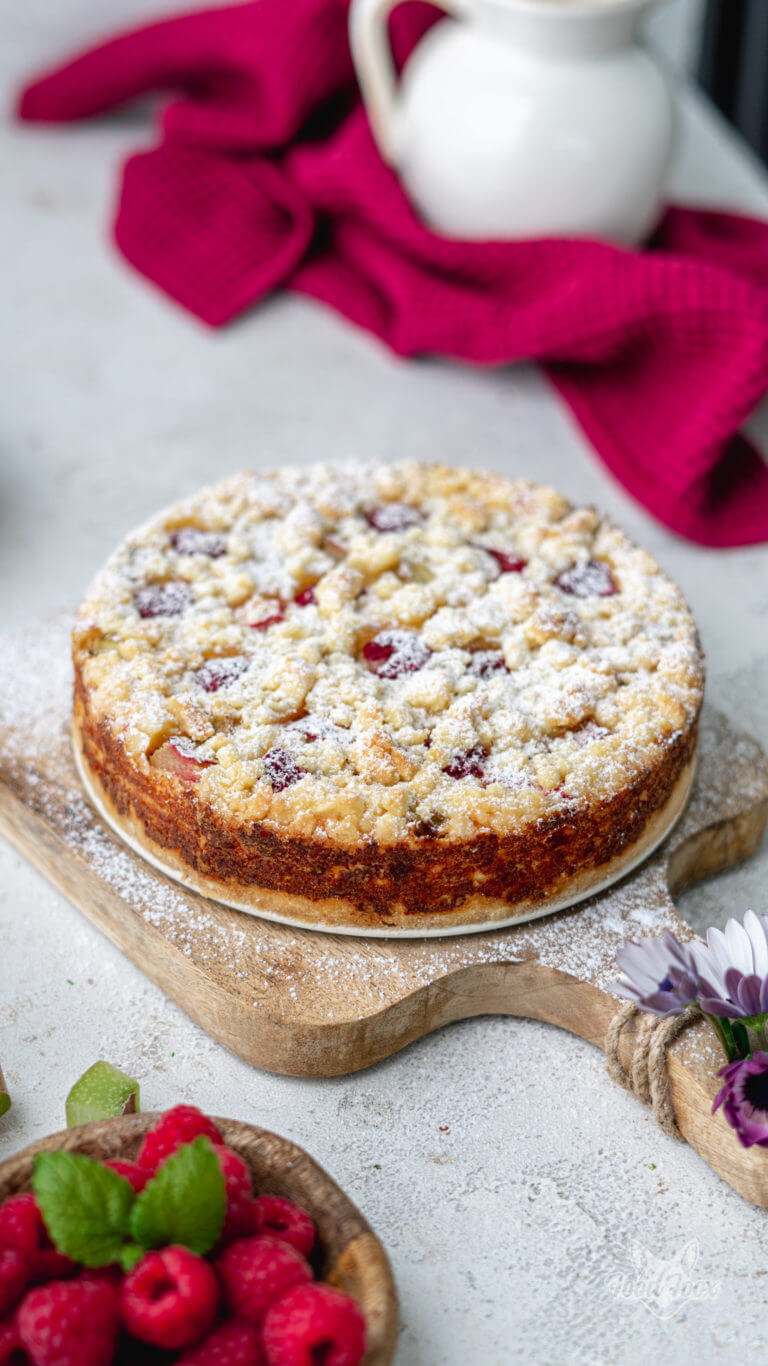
(334, 682)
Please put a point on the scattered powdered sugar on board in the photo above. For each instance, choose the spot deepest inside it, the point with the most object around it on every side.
(253, 956)
(36, 697)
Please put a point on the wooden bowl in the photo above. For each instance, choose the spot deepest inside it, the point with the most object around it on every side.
(351, 1256)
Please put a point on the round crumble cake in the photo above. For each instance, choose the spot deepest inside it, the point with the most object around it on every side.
(401, 698)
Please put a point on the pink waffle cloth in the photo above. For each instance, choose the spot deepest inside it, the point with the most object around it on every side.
(266, 176)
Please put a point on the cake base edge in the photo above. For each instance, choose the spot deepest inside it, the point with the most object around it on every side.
(480, 914)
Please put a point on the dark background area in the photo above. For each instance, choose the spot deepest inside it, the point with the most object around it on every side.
(733, 66)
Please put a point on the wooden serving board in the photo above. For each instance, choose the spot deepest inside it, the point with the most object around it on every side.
(312, 1004)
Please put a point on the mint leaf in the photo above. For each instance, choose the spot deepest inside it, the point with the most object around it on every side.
(86, 1207)
(184, 1203)
(131, 1254)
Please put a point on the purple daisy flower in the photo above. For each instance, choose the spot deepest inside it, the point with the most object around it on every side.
(660, 974)
(744, 1098)
(733, 967)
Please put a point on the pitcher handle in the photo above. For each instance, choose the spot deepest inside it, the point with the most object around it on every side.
(372, 55)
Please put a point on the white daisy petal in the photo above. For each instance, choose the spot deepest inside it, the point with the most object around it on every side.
(718, 949)
(633, 961)
(739, 946)
(755, 927)
(704, 959)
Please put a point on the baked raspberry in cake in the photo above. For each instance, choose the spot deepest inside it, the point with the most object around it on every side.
(402, 697)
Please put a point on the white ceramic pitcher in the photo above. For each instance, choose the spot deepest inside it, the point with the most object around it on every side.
(523, 118)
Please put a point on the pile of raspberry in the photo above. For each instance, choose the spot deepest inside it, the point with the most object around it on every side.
(253, 1301)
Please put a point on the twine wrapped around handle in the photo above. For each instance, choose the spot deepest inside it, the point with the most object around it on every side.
(648, 1076)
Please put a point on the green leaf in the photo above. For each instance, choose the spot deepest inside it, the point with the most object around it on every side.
(131, 1254)
(5, 1103)
(740, 1038)
(184, 1203)
(103, 1092)
(86, 1207)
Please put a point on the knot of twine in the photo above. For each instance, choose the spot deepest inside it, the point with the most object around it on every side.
(648, 1076)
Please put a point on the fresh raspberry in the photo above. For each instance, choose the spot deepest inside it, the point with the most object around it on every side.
(135, 1175)
(170, 1299)
(102, 1275)
(239, 1189)
(11, 1351)
(234, 1343)
(255, 1272)
(314, 1323)
(14, 1278)
(22, 1228)
(284, 1220)
(182, 1124)
(21, 1225)
(69, 1323)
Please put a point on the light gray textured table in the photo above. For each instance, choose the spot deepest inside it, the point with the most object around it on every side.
(505, 1173)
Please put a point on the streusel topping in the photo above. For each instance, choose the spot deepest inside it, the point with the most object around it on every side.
(385, 652)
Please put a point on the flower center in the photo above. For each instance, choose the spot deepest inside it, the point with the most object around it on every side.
(756, 1090)
(666, 985)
